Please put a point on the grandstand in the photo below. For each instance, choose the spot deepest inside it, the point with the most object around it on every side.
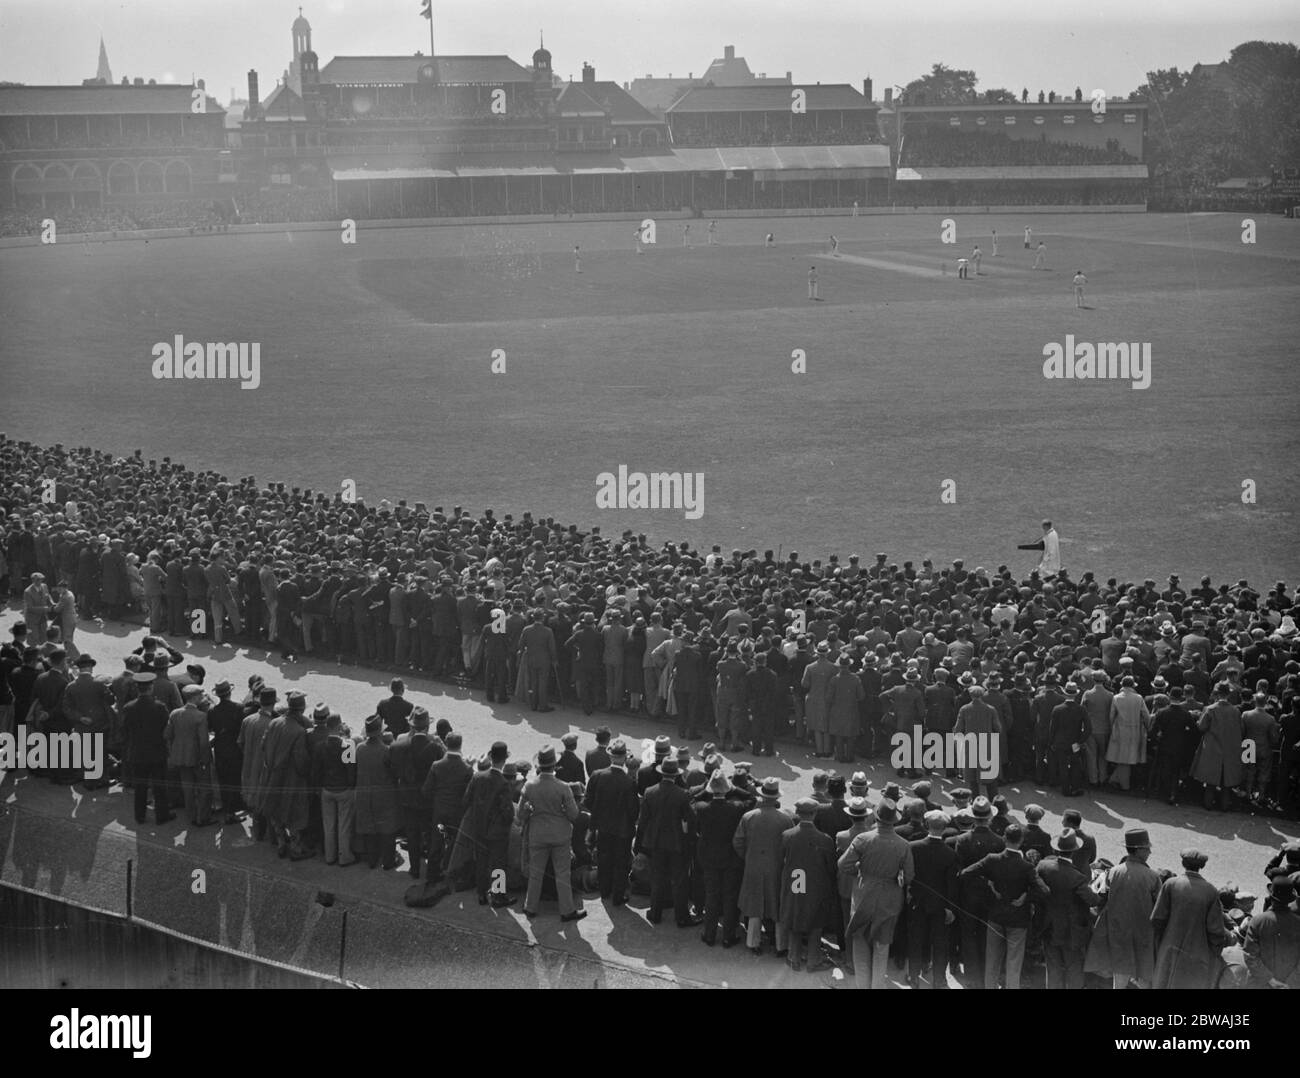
(1049, 153)
(109, 148)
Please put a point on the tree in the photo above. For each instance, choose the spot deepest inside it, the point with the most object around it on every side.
(942, 86)
(1161, 83)
(1000, 96)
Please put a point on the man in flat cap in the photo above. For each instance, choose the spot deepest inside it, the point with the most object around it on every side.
(225, 718)
(251, 735)
(808, 886)
(144, 722)
(1123, 942)
(413, 753)
(931, 904)
(1272, 948)
(611, 799)
(1189, 930)
(189, 752)
(286, 778)
(1218, 757)
(89, 708)
(1130, 722)
(568, 767)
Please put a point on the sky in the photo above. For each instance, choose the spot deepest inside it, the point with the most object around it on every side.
(1047, 44)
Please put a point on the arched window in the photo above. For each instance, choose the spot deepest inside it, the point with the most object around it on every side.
(121, 179)
(150, 178)
(57, 170)
(86, 173)
(176, 178)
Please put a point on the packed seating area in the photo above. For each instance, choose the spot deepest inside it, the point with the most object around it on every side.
(948, 148)
(14, 136)
(722, 132)
(404, 113)
(1021, 193)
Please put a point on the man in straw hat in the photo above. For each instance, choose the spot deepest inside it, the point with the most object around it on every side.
(717, 817)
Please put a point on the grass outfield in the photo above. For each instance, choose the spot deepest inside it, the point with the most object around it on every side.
(375, 367)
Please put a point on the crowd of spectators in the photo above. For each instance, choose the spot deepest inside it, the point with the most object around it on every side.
(1162, 686)
(1019, 193)
(74, 137)
(694, 133)
(949, 148)
(467, 108)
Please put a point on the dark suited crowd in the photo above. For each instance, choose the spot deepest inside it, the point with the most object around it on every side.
(1189, 693)
(1183, 692)
(889, 888)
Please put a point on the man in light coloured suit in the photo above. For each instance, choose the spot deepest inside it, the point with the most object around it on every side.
(1050, 544)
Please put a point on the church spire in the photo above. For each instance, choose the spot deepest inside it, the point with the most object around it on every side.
(104, 74)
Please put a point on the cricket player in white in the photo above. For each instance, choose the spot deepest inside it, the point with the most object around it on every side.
(686, 235)
(1040, 256)
(577, 260)
(812, 283)
(769, 242)
(975, 257)
(637, 234)
(713, 233)
(855, 207)
(1029, 236)
(1050, 544)
(995, 243)
(1079, 281)
(962, 268)
(835, 247)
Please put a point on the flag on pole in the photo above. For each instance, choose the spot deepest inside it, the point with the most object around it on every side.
(427, 9)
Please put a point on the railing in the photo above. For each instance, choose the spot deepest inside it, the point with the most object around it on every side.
(430, 149)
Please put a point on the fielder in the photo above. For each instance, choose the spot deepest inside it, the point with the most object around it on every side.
(577, 260)
(975, 257)
(1079, 281)
(1040, 256)
(812, 283)
(713, 233)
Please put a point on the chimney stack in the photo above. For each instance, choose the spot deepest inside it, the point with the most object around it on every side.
(588, 72)
(729, 52)
(866, 89)
(254, 102)
(889, 95)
